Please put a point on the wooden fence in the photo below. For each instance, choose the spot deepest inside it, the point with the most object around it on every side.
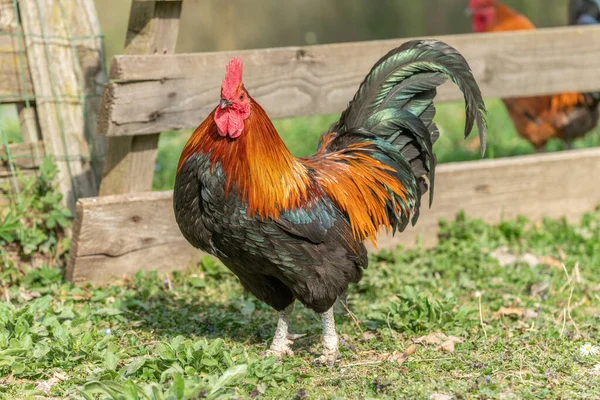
(131, 229)
(52, 69)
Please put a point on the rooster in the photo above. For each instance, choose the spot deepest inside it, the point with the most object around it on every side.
(294, 228)
(567, 116)
(584, 12)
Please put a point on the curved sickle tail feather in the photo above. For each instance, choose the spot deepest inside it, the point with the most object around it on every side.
(393, 110)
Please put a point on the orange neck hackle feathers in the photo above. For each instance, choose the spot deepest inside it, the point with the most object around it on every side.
(257, 164)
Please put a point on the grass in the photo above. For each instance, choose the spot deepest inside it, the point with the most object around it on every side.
(196, 334)
(301, 136)
(10, 130)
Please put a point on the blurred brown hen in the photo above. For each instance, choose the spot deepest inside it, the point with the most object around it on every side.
(538, 119)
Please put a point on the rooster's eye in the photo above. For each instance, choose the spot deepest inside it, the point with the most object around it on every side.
(241, 97)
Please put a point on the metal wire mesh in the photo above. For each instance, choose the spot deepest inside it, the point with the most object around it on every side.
(15, 164)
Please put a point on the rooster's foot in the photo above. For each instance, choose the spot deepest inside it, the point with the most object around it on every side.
(280, 348)
(329, 357)
(282, 339)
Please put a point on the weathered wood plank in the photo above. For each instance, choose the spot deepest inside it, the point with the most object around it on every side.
(122, 234)
(176, 92)
(24, 156)
(85, 27)
(58, 84)
(15, 78)
(30, 127)
(119, 235)
(153, 29)
(144, 149)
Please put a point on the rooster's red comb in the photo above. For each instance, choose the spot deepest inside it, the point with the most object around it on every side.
(481, 3)
(233, 77)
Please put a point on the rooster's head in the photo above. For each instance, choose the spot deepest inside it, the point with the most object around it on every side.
(483, 13)
(234, 107)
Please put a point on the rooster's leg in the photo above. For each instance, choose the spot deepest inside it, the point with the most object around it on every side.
(569, 144)
(282, 340)
(330, 339)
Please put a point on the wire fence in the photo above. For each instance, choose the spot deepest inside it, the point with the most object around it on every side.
(25, 137)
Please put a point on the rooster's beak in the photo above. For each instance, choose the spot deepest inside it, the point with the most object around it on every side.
(468, 11)
(224, 103)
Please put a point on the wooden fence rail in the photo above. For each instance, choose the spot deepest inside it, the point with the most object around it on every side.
(116, 235)
(149, 96)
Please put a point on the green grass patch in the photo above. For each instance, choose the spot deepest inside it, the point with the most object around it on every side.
(10, 131)
(32, 224)
(196, 334)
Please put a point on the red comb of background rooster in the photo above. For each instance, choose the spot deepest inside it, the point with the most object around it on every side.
(481, 3)
(233, 77)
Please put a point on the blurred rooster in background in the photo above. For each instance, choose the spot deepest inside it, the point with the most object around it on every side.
(567, 116)
(293, 228)
(584, 12)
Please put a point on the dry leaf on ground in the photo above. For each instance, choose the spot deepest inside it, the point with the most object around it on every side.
(402, 357)
(448, 345)
(504, 257)
(6, 380)
(439, 396)
(445, 343)
(551, 262)
(81, 296)
(432, 338)
(508, 311)
(46, 385)
(28, 295)
(368, 335)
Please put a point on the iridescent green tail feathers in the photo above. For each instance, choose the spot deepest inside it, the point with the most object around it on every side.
(394, 105)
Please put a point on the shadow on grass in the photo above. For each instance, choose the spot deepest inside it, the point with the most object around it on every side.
(167, 315)
(149, 304)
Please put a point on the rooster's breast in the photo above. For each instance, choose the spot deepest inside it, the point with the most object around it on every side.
(194, 193)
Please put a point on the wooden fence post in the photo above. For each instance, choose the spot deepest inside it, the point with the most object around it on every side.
(60, 88)
(15, 79)
(153, 28)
